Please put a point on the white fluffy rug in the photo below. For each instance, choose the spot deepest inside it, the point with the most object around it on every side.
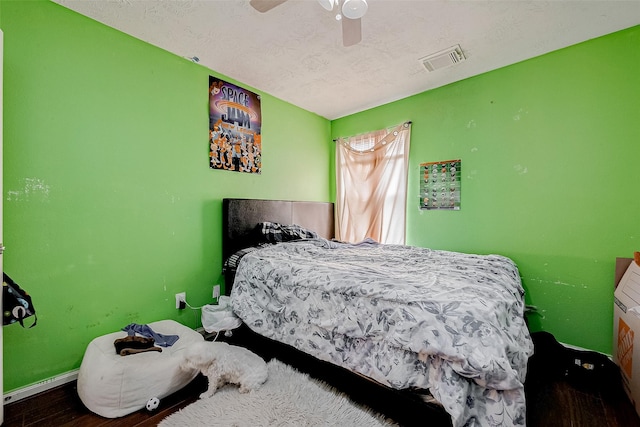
(288, 398)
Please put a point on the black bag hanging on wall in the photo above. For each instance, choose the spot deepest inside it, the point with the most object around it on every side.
(16, 303)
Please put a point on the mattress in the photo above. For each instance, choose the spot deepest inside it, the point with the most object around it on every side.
(404, 316)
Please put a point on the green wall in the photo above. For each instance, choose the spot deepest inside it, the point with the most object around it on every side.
(550, 152)
(110, 207)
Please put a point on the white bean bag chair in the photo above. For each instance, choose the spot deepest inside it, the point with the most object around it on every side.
(113, 386)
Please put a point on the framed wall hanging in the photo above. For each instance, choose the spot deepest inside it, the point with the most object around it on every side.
(440, 185)
(235, 120)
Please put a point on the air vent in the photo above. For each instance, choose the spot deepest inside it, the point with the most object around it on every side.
(444, 58)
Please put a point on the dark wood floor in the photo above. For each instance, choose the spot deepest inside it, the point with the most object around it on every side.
(561, 404)
(61, 406)
(552, 403)
(556, 396)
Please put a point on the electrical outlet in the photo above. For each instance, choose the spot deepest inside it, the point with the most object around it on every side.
(181, 300)
(216, 291)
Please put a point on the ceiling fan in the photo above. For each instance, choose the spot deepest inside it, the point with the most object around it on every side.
(349, 12)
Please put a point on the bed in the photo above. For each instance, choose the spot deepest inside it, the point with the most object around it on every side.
(438, 335)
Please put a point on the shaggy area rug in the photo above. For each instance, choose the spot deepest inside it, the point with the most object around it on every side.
(288, 398)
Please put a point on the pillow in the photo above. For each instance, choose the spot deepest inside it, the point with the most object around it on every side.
(273, 232)
(233, 261)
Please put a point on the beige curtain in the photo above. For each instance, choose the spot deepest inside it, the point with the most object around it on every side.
(371, 185)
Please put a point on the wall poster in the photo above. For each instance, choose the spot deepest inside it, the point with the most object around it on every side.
(235, 120)
(440, 185)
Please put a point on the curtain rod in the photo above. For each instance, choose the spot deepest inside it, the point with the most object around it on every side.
(408, 122)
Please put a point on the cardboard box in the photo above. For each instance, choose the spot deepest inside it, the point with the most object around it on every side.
(626, 327)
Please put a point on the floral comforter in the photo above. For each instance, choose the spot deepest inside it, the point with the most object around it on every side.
(404, 316)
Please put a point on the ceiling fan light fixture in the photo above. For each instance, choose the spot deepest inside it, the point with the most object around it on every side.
(354, 9)
(327, 4)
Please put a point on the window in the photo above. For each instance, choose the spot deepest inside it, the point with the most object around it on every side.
(371, 185)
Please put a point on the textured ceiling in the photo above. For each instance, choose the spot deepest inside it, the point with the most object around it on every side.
(294, 52)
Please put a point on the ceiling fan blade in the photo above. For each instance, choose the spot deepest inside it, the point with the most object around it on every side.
(351, 31)
(265, 5)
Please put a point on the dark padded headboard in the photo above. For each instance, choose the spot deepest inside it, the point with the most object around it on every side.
(240, 216)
